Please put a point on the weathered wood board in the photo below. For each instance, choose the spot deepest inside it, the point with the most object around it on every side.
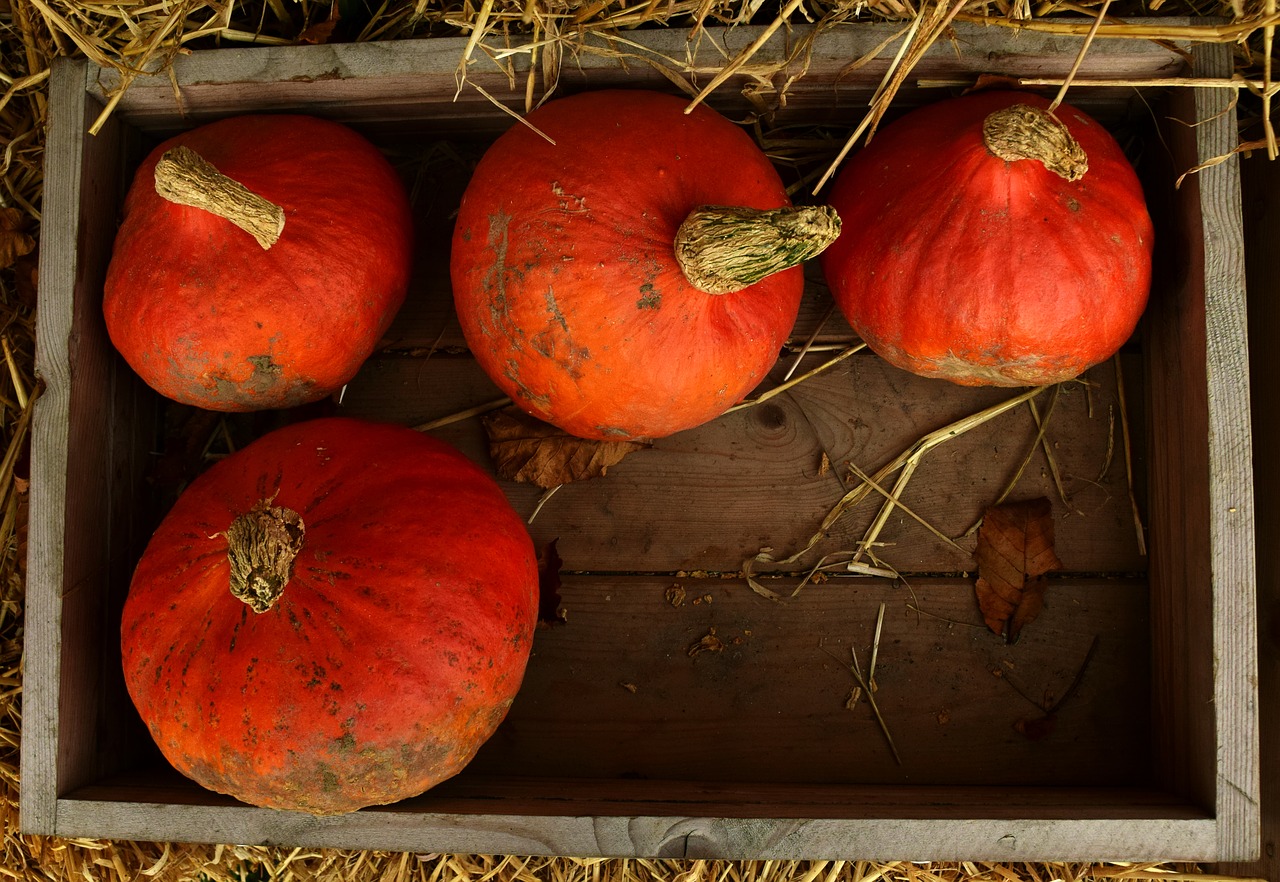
(1121, 725)
(1260, 184)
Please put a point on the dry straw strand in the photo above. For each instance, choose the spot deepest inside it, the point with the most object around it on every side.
(904, 464)
(1084, 49)
(1140, 532)
(795, 381)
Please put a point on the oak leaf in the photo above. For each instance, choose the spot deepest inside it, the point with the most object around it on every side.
(26, 277)
(524, 448)
(14, 241)
(322, 31)
(1015, 550)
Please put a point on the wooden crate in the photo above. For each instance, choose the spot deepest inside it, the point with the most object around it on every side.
(1260, 183)
(623, 741)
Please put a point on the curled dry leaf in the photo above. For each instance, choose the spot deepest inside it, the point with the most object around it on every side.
(322, 31)
(26, 277)
(14, 241)
(524, 448)
(993, 82)
(710, 642)
(1015, 550)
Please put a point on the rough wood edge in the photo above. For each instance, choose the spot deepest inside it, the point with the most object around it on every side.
(920, 839)
(319, 76)
(1260, 184)
(69, 114)
(1231, 514)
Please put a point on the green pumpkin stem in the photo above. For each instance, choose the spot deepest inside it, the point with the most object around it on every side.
(722, 249)
(185, 177)
(261, 546)
(1025, 132)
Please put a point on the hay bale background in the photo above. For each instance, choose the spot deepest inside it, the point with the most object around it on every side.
(139, 39)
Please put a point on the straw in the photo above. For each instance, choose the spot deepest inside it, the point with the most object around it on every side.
(141, 39)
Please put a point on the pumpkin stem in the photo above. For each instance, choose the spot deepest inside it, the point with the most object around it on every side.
(1025, 132)
(724, 249)
(185, 177)
(261, 546)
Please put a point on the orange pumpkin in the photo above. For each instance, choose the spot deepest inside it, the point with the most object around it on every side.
(259, 261)
(595, 293)
(338, 615)
(988, 242)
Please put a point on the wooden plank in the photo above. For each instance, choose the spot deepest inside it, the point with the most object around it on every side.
(544, 795)
(1231, 512)
(415, 80)
(1005, 840)
(62, 298)
(1260, 182)
(93, 430)
(771, 694)
(1231, 523)
(711, 497)
(1202, 498)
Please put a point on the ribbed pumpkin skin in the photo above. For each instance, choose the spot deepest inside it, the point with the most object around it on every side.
(394, 651)
(564, 274)
(954, 263)
(207, 317)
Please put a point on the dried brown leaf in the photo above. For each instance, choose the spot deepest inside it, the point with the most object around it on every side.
(993, 82)
(14, 241)
(321, 31)
(524, 448)
(550, 608)
(1015, 550)
(26, 276)
(710, 642)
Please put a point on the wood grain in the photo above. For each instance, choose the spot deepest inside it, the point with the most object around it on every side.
(711, 497)
(1120, 837)
(54, 715)
(372, 83)
(93, 433)
(1201, 480)
(1260, 182)
(1231, 513)
(771, 696)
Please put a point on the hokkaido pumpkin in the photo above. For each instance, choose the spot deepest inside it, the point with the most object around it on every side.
(990, 242)
(258, 262)
(624, 269)
(336, 616)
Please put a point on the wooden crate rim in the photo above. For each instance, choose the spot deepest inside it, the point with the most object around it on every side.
(1231, 831)
(215, 80)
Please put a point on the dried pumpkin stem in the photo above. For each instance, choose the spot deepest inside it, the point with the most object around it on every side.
(185, 177)
(722, 249)
(1025, 132)
(261, 546)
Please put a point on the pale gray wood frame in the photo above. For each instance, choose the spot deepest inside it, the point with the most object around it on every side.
(85, 459)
